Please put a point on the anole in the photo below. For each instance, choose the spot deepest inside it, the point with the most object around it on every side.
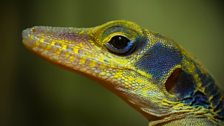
(150, 72)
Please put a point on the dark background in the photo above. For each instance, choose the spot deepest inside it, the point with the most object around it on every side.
(34, 92)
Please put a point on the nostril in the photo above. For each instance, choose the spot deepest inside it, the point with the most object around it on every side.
(33, 30)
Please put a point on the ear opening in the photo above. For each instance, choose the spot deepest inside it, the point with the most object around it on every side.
(181, 84)
(171, 82)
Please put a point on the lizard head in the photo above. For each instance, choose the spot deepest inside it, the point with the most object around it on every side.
(139, 65)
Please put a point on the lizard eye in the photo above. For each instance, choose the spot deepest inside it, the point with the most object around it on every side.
(120, 45)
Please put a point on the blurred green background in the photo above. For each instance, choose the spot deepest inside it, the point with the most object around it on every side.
(34, 92)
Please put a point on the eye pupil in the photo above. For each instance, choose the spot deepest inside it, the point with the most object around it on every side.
(120, 45)
(119, 42)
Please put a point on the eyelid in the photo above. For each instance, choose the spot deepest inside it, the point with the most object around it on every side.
(108, 38)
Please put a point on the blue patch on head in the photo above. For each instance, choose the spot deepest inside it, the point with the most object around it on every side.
(159, 59)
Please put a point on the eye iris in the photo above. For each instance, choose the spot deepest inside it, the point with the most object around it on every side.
(119, 42)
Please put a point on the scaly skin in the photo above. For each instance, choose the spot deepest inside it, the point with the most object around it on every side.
(149, 71)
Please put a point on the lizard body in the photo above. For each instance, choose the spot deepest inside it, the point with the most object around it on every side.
(149, 71)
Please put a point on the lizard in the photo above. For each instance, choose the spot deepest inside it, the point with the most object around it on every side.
(151, 72)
